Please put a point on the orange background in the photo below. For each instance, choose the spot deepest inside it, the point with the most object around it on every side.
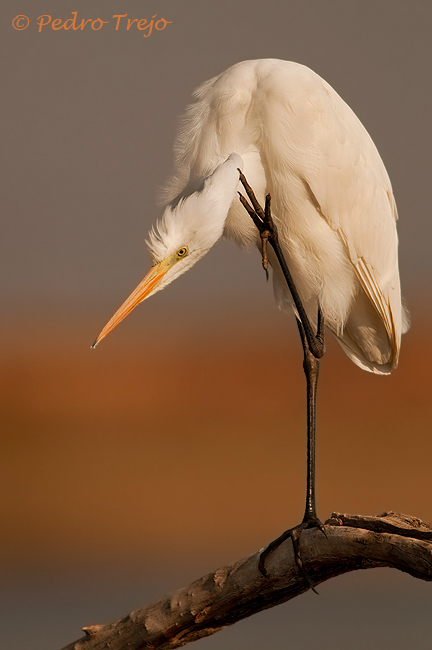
(179, 446)
(185, 441)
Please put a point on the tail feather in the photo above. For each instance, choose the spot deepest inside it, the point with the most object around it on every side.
(366, 339)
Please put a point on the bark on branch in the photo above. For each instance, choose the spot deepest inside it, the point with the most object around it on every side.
(238, 591)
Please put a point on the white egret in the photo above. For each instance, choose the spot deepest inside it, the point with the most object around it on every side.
(333, 207)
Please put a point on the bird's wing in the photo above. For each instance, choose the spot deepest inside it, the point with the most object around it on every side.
(353, 193)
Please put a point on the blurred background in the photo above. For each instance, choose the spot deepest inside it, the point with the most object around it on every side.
(178, 446)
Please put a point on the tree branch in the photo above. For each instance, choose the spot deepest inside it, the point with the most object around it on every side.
(238, 591)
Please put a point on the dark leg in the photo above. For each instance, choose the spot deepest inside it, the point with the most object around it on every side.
(268, 231)
(310, 519)
(311, 370)
(313, 349)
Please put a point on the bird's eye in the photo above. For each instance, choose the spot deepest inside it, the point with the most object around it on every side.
(182, 252)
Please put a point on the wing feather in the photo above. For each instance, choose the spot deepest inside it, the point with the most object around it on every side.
(355, 197)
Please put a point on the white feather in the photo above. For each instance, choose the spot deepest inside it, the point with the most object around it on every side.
(331, 198)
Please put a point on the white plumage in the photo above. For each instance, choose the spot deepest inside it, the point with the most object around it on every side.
(332, 201)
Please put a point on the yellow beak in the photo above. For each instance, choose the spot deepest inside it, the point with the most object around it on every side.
(143, 290)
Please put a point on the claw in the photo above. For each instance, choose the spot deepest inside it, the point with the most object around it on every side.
(261, 218)
(294, 534)
(264, 238)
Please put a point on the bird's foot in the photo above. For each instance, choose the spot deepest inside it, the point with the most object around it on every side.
(261, 218)
(310, 521)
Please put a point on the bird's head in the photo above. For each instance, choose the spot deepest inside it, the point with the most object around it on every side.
(187, 230)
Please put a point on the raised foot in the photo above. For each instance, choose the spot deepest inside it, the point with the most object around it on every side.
(294, 534)
(261, 218)
(266, 226)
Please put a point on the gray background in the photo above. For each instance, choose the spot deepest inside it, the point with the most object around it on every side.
(88, 120)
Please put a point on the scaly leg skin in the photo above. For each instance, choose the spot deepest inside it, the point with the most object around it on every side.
(313, 349)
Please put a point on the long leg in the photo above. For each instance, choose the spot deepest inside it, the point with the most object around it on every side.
(313, 349)
(311, 370)
(310, 518)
